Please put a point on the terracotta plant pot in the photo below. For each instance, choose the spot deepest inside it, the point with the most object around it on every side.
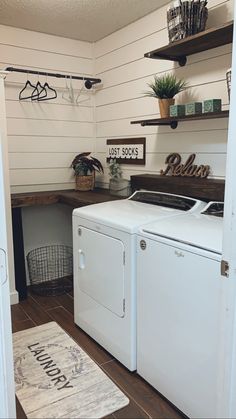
(164, 105)
(84, 183)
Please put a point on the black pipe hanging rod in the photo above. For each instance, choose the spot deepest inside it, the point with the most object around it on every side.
(58, 75)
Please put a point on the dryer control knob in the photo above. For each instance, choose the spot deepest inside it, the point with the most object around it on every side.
(143, 244)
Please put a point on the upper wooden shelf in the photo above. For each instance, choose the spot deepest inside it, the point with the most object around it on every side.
(173, 122)
(179, 50)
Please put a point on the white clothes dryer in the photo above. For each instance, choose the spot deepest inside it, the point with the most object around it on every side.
(104, 243)
(181, 310)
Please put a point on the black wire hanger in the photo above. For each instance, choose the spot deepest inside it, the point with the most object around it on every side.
(46, 97)
(46, 86)
(38, 92)
(27, 84)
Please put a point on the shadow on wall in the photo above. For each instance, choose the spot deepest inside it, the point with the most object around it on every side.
(220, 14)
(188, 96)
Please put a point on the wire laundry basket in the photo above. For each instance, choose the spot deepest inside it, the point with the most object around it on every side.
(186, 18)
(51, 269)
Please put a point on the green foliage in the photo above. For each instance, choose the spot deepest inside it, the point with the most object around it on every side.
(165, 87)
(84, 164)
(114, 169)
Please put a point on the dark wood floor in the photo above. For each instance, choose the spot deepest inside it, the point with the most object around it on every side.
(145, 402)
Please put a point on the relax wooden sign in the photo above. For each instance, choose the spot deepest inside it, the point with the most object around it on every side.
(187, 169)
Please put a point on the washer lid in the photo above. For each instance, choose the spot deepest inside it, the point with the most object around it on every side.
(128, 214)
(180, 202)
(198, 230)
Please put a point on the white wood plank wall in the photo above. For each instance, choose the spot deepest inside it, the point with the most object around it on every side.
(45, 136)
(120, 62)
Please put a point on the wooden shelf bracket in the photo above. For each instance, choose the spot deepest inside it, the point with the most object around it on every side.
(181, 60)
(178, 51)
(172, 124)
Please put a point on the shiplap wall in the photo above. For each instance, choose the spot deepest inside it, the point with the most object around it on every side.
(45, 136)
(120, 62)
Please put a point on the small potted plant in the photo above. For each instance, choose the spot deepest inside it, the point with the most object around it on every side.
(115, 171)
(164, 89)
(84, 166)
(117, 185)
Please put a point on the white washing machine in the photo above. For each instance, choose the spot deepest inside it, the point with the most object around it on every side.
(104, 242)
(181, 310)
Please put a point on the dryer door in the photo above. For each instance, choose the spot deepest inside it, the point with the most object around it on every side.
(101, 269)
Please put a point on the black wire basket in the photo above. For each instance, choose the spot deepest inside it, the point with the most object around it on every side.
(186, 18)
(51, 270)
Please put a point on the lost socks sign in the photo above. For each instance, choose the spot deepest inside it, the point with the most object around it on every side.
(127, 151)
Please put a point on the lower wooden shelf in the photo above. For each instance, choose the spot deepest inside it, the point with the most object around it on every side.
(173, 122)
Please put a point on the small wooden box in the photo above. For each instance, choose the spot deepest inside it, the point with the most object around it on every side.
(212, 105)
(193, 108)
(177, 110)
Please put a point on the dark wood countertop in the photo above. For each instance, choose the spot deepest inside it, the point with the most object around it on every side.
(70, 197)
(200, 188)
(206, 189)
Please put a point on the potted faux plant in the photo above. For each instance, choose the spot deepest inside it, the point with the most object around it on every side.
(117, 185)
(164, 89)
(84, 166)
(115, 171)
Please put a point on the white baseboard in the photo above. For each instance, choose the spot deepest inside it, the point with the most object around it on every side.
(14, 297)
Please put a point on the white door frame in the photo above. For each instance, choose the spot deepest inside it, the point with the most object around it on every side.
(7, 387)
(4, 142)
(229, 252)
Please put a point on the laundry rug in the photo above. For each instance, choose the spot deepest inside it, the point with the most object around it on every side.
(55, 378)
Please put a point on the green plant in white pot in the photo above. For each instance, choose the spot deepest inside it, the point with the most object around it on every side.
(115, 171)
(117, 185)
(165, 88)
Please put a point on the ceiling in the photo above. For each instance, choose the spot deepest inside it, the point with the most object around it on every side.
(86, 20)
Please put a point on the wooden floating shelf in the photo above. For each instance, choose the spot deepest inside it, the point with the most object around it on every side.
(206, 189)
(179, 50)
(173, 122)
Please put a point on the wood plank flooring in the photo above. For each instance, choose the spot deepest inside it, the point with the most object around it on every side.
(145, 402)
